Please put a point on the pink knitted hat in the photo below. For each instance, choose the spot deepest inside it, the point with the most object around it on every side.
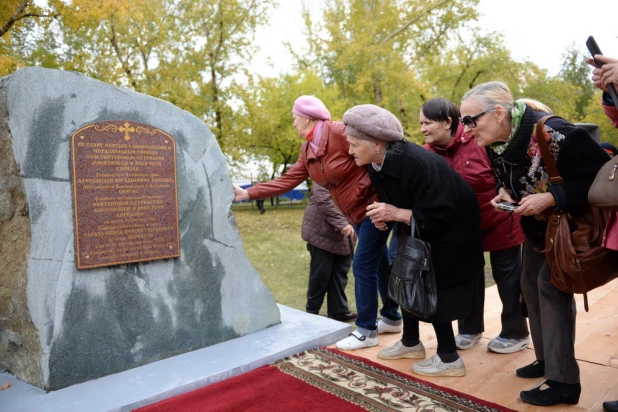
(310, 107)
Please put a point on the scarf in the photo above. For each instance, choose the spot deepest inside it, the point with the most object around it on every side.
(517, 113)
(315, 135)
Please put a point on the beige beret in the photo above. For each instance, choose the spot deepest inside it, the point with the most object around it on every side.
(368, 120)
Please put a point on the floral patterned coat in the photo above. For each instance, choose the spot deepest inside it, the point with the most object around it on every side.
(521, 171)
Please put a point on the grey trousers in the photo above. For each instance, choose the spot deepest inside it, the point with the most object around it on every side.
(328, 275)
(506, 269)
(552, 317)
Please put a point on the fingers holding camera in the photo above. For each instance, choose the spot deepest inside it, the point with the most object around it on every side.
(502, 197)
(534, 204)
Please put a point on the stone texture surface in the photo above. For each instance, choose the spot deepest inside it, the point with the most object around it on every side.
(59, 326)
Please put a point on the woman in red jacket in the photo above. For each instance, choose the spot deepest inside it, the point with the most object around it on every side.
(324, 157)
(502, 233)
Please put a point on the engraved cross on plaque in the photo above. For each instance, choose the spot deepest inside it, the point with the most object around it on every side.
(126, 129)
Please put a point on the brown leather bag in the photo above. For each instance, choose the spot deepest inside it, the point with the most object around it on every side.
(577, 260)
(604, 190)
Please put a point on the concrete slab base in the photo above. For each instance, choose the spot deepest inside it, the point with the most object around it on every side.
(150, 383)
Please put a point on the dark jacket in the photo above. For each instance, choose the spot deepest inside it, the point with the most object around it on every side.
(500, 230)
(521, 171)
(447, 216)
(323, 222)
(331, 167)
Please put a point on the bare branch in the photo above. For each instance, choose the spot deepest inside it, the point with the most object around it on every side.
(411, 22)
(476, 76)
(23, 16)
(243, 18)
(429, 45)
(14, 18)
(123, 63)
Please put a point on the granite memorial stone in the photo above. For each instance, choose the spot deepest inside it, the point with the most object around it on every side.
(60, 325)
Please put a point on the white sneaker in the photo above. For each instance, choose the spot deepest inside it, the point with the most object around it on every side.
(435, 367)
(466, 341)
(355, 341)
(502, 345)
(384, 327)
(399, 351)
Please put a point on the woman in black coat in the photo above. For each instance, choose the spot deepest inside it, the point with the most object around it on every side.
(413, 182)
(506, 127)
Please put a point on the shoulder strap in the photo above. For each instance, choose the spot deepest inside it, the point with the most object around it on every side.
(414, 228)
(550, 163)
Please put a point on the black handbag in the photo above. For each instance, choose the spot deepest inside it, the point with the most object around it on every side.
(412, 282)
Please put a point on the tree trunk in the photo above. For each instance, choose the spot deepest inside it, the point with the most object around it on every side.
(215, 102)
(14, 18)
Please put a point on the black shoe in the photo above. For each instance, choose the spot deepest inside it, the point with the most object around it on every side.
(343, 317)
(535, 370)
(556, 393)
(610, 406)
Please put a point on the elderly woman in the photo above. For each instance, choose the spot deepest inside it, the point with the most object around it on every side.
(324, 157)
(502, 234)
(506, 128)
(412, 182)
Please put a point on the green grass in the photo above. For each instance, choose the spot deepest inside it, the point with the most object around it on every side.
(273, 245)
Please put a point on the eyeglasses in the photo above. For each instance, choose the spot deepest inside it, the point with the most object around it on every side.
(470, 121)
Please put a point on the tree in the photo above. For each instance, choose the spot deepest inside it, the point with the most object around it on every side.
(185, 52)
(267, 114)
(576, 71)
(372, 50)
(16, 21)
(216, 37)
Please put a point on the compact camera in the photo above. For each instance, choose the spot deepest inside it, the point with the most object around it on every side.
(509, 207)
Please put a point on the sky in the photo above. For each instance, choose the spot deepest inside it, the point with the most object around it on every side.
(535, 30)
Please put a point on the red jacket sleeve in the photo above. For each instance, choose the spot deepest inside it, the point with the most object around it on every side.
(288, 181)
(612, 113)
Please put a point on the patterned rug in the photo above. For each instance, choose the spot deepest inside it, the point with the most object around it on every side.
(323, 380)
(375, 387)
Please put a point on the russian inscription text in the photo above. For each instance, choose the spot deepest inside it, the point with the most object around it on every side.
(125, 195)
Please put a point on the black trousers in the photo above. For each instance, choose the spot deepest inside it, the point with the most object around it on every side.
(260, 206)
(506, 267)
(444, 333)
(328, 275)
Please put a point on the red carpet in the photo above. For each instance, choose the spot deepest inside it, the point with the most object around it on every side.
(322, 380)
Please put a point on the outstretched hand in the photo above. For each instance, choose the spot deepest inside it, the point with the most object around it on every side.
(240, 194)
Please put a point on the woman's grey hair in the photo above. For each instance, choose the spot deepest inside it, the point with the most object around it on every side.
(536, 105)
(492, 94)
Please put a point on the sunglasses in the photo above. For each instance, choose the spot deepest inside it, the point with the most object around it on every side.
(470, 121)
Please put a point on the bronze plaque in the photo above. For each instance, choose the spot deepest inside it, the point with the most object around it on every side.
(125, 196)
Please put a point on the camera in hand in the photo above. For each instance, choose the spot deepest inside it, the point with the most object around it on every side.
(509, 207)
